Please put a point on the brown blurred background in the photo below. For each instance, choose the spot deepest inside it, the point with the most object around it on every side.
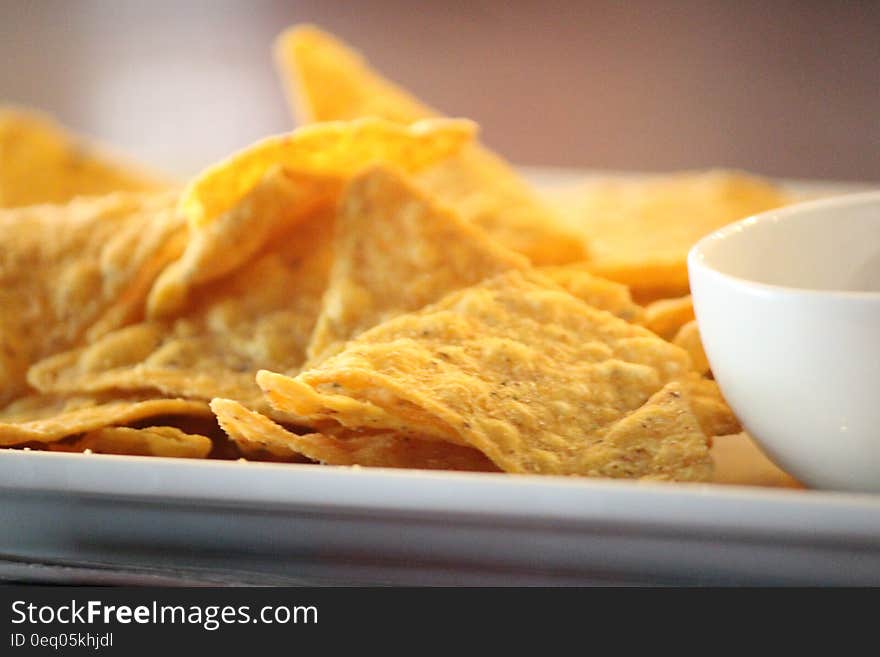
(781, 88)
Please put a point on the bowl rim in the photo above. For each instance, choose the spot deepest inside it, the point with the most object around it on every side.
(696, 259)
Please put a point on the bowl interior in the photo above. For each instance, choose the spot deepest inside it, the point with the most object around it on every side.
(833, 244)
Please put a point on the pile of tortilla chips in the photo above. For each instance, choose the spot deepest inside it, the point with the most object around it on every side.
(375, 288)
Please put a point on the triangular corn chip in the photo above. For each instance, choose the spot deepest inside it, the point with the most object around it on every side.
(269, 213)
(336, 149)
(259, 315)
(150, 441)
(41, 163)
(487, 192)
(514, 367)
(660, 440)
(49, 419)
(666, 316)
(395, 251)
(688, 338)
(674, 320)
(71, 273)
(594, 290)
(328, 81)
(257, 437)
(256, 434)
(640, 231)
(236, 205)
(709, 406)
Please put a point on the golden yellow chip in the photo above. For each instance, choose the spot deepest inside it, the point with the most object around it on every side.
(57, 418)
(688, 338)
(257, 437)
(149, 441)
(666, 316)
(260, 315)
(34, 407)
(595, 291)
(256, 434)
(515, 367)
(238, 205)
(335, 149)
(328, 81)
(41, 163)
(485, 191)
(266, 217)
(71, 273)
(640, 231)
(715, 416)
(395, 251)
(388, 450)
(325, 81)
(317, 409)
(660, 440)
(739, 461)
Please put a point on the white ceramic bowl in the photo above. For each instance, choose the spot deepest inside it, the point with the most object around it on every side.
(788, 304)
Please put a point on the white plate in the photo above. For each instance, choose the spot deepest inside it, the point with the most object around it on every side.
(301, 523)
(116, 519)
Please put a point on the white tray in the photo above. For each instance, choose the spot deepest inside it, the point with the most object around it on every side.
(115, 519)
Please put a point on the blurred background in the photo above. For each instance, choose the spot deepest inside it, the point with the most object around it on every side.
(780, 88)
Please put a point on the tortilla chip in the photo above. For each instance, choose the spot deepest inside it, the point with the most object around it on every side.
(256, 434)
(327, 81)
(318, 409)
(334, 149)
(39, 407)
(149, 441)
(485, 191)
(595, 291)
(238, 205)
(61, 418)
(640, 231)
(257, 437)
(739, 461)
(41, 163)
(674, 320)
(71, 273)
(666, 316)
(709, 406)
(688, 338)
(661, 440)
(283, 200)
(396, 251)
(514, 367)
(260, 315)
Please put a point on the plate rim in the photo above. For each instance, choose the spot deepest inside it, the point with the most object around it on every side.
(563, 501)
